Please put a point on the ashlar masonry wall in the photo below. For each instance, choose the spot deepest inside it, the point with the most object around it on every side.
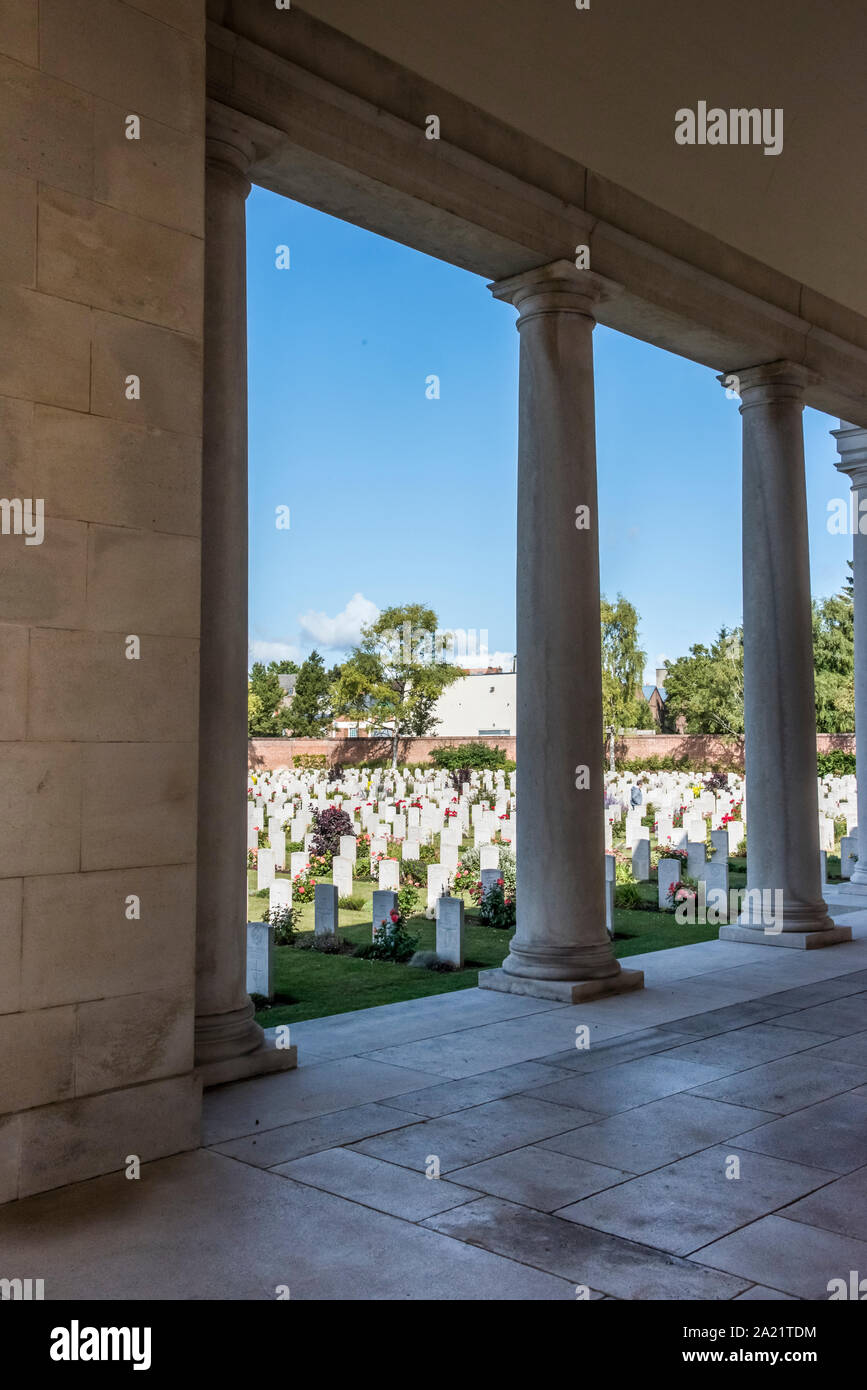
(102, 112)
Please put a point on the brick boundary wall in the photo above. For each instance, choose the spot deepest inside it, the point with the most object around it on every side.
(279, 752)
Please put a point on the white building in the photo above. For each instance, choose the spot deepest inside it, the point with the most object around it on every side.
(479, 703)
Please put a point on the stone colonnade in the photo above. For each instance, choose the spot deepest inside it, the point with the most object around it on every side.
(560, 949)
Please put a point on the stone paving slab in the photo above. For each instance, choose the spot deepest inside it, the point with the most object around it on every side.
(449, 1096)
(538, 1177)
(840, 1017)
(617, 1267)
(280, 1145)
(792, 1256)
(791, 1083)
(375, 1183)
(268, 1101)
(831, 1134)
(388, 1025)
(317, 1176)
(841, 1206)
(609, 1053)
(202, 1226)
(762, 1295)
(657, 1133)
(689, 1203)
(748, 1047)
(468, 1136)
(627, 1085)
(496, 1045)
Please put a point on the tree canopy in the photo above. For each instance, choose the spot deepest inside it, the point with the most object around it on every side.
(623, 706)
(396, 674)
(309, 713)
(265, 713)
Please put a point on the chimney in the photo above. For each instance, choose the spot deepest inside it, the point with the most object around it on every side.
(661, 673)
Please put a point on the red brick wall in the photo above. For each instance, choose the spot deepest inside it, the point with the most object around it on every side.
(278, 752)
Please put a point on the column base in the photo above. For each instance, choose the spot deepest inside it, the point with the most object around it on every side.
(562, 991)
(853, 894)
(232, 1047)
(796, 940)
(263, 1060)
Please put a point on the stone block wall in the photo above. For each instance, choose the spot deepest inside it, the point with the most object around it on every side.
(101, 271)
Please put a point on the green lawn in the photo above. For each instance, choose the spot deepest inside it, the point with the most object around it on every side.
(312, 985)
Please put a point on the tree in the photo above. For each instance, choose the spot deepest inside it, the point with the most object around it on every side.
(265, 712)
(622, 667)
(397, 673)
(706, 688)
(309, 713)
(834, 662)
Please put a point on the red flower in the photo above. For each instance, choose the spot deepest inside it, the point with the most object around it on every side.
(394, 915)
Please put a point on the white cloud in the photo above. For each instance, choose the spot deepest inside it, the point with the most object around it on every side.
(275, 651)
(342, 631)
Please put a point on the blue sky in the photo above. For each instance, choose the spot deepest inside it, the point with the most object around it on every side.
(396, 498)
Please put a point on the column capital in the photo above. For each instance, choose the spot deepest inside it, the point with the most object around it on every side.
(852, 448)
(556, 288)
(228, 150)
(771, 381)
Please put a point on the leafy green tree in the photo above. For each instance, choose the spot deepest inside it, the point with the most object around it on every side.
(834, 662)
(623, 707)
(309, 712)
(706, 688)
(265, 713)
(396, 674)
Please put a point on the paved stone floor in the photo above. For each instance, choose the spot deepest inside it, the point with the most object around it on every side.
(605, 1167)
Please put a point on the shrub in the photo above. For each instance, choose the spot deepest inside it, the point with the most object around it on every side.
(468, 873)
(310, 762)
(628, 895)
(304, 887)
(496, 907)
(408, 899)
(284, 921)
(413, 872)
(354, 903)
(716, 782)
(668, 852)
(328, 826)
(391, 941)
(837, 763)
(429, 960)
(473, 756)
(328, 943)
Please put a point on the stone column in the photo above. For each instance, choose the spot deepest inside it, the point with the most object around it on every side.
(779, 698)
(229, 1043)
(852, 448)
(561, 948)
